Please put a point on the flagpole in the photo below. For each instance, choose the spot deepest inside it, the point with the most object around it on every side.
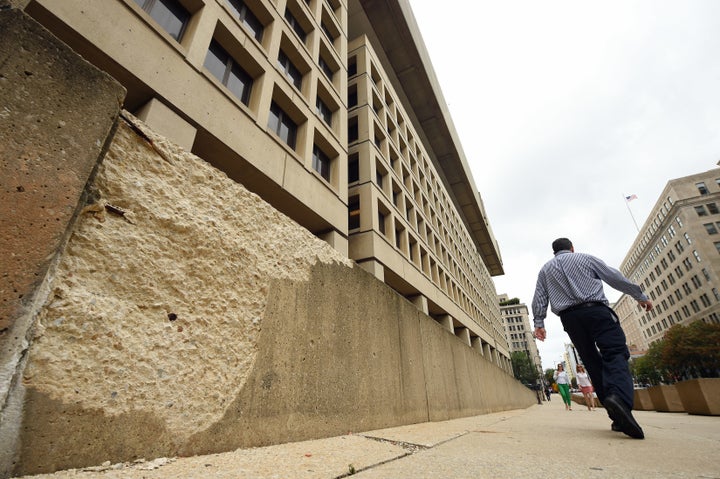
(627, 203)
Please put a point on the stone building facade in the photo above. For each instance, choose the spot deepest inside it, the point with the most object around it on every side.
(519, 330)
(676, 259)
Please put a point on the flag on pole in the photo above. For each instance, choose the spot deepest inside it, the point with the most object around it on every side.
(630, 198)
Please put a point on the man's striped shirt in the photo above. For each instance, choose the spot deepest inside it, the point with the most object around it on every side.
(571, 278)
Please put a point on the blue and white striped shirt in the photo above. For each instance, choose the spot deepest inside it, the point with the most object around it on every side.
(574, 278)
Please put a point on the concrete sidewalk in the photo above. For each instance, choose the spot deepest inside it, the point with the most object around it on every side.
(543, 441)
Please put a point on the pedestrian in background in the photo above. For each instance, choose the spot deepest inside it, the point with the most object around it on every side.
(572, 285)
(563, 382)
(585, 386)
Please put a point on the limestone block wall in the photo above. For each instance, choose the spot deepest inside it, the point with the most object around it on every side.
(188, 316)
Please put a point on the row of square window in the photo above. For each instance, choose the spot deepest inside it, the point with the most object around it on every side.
(703, 189)
(415, 160)
(415, 253)
(397, 117)
(173, 17)
(430, 187)
(417, 221)
(677, 317)
(657, 249)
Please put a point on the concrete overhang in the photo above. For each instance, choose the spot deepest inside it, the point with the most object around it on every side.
(396, 30)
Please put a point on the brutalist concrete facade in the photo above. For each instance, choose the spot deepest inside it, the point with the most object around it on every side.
(275, 117)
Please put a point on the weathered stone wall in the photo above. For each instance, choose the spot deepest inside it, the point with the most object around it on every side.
(56, 111)
(188, 316)
(185, 315)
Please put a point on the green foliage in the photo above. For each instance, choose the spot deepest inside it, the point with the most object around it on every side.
(510, 302)
(523, 368)
(549, 373)
(684, 352)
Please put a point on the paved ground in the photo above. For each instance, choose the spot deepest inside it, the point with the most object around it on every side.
(543, 441)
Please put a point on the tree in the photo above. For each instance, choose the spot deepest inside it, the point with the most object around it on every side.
(684, 352)
(549, 376)
(646, 368)
(691, 351)
(523, 368)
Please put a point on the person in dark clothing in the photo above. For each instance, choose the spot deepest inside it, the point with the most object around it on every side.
(572, 285)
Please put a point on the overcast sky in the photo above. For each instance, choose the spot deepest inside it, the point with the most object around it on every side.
(564, 106)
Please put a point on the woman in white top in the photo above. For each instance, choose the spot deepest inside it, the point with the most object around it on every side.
(563, 383)
(586, 387)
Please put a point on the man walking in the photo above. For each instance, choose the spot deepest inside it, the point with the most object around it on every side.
(571, 283)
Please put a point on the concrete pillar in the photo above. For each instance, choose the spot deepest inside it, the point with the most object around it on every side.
(447, 322)
(336, 240)
(375, 268)
(476, 344)
(421, 302)
(464, 335)
(168, 123)
(487, 352)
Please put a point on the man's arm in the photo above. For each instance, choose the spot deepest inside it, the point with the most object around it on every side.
(539, 307)
(616, 280)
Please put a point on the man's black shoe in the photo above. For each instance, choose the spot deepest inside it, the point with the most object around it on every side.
(622, 417)
(615, 427)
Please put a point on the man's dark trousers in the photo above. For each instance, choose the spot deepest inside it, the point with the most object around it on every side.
(598, 337)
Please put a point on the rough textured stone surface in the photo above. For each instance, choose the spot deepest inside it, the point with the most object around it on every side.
(188, 316)
(159, 298)
(56, 113)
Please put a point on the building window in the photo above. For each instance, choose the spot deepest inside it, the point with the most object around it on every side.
(169, 14)
(295, 25)
(246, 17)
(352, 67)
(352, 96)
(710, 228)
(353, 131)
(702, 188)
(687, 238)
(712, 208)
(327, 32)
(324, 111)
(697, 256)
(381, 222)
(291, 71)
(228, 72)
(679, 247)
(326, 68)
(282, 125)
(353, 212)
(695, 306)
(321, 163)
(353, 168)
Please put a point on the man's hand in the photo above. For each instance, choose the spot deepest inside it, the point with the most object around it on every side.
(645, 305)
(540, 334)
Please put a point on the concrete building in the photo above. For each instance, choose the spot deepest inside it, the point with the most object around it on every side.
(676, 259)
(519, 330)
(330, 111)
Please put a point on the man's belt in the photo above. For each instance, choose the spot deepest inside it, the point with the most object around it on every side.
(582, 305)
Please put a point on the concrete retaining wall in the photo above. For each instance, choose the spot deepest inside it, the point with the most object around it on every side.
(188, 316)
